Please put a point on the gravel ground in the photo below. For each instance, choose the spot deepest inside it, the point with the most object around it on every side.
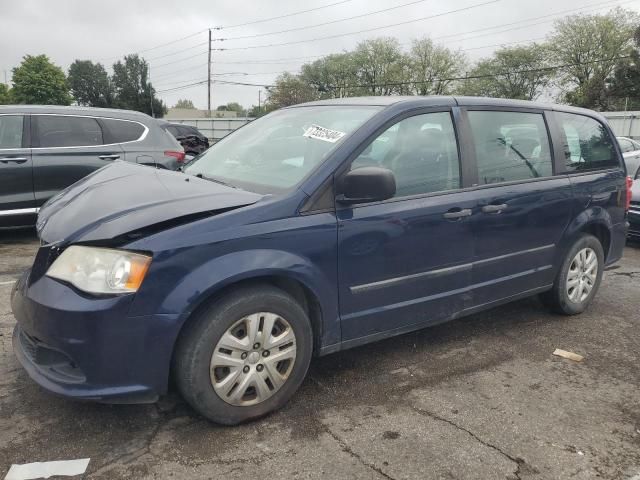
(477, 398)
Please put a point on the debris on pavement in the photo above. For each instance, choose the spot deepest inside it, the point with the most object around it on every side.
(31, 471)
(570, 355)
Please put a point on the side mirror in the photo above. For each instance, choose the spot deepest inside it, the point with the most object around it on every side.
(367, 184)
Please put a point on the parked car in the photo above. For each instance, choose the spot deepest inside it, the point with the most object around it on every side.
(44, 149)
(382, 216)
(631, 153)
(634, 212)
(189, 137)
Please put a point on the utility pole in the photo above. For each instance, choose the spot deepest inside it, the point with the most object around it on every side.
(259, 94)
(150, 90)
(209, 79)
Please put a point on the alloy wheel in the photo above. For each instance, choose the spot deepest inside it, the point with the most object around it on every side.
(582, 275)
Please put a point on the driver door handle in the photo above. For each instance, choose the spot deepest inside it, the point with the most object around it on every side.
(494, 208)
(109, 157)
(456, 214)
(13, 159)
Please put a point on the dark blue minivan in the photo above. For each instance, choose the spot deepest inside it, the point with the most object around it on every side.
(313, 229)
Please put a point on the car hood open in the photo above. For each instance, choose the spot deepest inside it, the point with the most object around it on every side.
(125, 197)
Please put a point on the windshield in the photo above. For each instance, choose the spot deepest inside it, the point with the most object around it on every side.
(274, 153)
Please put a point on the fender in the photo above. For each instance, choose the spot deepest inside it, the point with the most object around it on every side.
(199, 284)
(592, 216)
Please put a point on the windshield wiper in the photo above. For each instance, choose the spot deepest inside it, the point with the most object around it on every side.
(215, 180)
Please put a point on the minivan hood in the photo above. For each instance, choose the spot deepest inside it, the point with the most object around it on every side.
(124, 197)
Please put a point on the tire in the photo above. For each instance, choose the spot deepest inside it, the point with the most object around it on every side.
(565, 300)
(203, 380)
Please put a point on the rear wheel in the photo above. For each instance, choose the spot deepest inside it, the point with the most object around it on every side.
(245, 355)
(579, 277)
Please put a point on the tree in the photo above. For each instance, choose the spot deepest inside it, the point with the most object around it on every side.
(233, 107)
(590, 46)
(90, 84)
(333, 76)
(256, 111)
(514, 72)
(381, 66)
(38, 81)
(184, 103)
(132, 89)
(288, 90)
(5, 94)
(623, 91)
(433, 66)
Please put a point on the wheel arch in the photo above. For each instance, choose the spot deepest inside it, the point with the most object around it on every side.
(594, 221)
(295, 275)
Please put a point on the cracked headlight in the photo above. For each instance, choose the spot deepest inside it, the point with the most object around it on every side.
(100, 270)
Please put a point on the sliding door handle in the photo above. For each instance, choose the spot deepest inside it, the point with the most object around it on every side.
(13, 159)
(494, 208)
(457, 214)
(109, 157)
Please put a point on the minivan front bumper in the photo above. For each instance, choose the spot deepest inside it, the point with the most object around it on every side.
(89, 348)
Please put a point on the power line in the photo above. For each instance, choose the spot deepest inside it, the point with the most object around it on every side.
(177, 40)
(155, 47)
(414, 82)
(561, 12)
(477, 5)
(331, 22)
(177, 52)
(300, 12)
(484, 29)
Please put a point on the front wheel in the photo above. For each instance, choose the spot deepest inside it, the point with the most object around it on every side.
(579, 277)
(245, 355)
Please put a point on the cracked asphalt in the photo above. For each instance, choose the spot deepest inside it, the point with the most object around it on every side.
(478, 398)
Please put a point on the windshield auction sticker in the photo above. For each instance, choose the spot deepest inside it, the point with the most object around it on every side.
(324, 134)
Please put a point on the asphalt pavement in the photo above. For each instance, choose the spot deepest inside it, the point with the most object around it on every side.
(477, 398)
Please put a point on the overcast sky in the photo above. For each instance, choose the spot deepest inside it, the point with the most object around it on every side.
(66, 30)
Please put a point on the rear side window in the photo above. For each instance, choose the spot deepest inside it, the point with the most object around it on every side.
(587, 144)
(510, 146)
(626, 145)
(11, 131)
(67, 131)
(185, 131)
(173, 131)
(121, 131)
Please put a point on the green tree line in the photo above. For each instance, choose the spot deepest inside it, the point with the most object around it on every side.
(590, 61)
(37, 81)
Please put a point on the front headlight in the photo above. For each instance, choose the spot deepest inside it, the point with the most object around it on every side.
(100, 270)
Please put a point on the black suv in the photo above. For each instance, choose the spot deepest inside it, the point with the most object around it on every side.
(191, 139)
(44, 149)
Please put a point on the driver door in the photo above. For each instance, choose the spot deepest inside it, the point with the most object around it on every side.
(405, 262)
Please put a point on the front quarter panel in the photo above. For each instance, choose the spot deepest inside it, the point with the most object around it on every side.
(301, 248)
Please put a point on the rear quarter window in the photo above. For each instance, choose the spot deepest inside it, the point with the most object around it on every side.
(121, 131)
(586, 142)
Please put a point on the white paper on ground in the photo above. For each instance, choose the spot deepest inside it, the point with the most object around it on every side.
(30, 471)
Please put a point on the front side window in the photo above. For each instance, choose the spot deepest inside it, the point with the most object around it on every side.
(274, 153)
(586, 142)
(11, 131)
(510, 146)
(421, 151)
(68, 131)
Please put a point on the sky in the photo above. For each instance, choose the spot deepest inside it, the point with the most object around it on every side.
(172, 36)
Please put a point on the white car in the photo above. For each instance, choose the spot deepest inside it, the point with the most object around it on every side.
(631, 153)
